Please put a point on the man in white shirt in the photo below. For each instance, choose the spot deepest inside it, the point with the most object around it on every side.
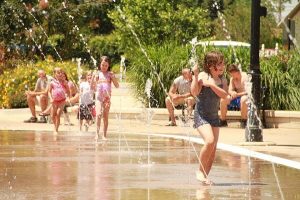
(38, 96)
(180, 94)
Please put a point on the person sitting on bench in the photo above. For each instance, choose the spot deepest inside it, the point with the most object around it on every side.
(237, 98)
(38, 96)
(180, 94)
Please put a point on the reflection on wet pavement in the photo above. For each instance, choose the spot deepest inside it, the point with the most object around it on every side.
(36, 165)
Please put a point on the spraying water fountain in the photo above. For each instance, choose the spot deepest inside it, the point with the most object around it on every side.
(122, 68)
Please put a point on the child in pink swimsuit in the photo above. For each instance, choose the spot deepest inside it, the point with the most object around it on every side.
(104, 87)
(59, 90)
(104, 80)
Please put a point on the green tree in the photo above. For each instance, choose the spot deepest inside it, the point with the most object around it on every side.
(214, 6)
(62, 29)
(237, 17)
(157, 21)
(13, 24)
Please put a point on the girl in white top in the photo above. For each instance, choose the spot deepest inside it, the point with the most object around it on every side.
(86, 100)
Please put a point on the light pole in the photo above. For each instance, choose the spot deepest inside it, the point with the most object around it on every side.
(253, 133)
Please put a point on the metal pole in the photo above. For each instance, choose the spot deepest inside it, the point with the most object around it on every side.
(253, 133)
(288, 35)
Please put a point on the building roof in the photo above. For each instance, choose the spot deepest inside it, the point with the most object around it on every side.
(291, 14)
(220, 43)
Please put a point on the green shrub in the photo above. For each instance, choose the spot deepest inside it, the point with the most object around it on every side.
(104, 45)
(168, 61)
(13, 84)
(115, 68)
(280, 74)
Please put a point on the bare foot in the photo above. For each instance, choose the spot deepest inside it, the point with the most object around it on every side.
(207, 182)
(86, 127)
(204, 180)
(55, 132)
(96, 137)
(200, 176)
(104, 138)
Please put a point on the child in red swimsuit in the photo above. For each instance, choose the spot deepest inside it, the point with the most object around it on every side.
(59, 90)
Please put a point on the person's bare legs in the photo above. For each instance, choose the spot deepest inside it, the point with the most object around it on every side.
(98, 124)
(47, 110)
(190, 104)
(213, 154)
(206, 152)
(98, 117)
(31, 104)
(56, 113)
(54, 117)
(43, 102)
(244, 107)
(59, 112)
(170, 107)
(80, 124)
(105, 119)
(223, 108)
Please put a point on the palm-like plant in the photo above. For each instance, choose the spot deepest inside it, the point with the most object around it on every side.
(280, 74)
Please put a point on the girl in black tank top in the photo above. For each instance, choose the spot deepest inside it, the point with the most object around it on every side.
(207, 87)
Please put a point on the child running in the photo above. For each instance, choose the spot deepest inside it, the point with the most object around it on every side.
(59, 91)
(208, 88)
(104, 80)
(86, 101)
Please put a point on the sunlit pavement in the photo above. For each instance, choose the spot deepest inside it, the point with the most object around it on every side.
(71, 165)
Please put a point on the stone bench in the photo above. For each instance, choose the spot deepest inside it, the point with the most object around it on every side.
(273, 119)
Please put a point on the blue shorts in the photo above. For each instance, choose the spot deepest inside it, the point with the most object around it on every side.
(235, 104)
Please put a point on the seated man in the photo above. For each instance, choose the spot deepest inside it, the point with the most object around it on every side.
(237, 95)
(180, 94)
(38, 96)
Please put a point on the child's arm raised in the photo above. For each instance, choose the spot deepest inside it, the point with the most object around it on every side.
(197, 83)
(114, 80)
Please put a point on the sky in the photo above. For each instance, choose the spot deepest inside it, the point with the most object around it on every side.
(289, 7)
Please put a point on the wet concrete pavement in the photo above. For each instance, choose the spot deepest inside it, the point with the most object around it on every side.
(38, 165)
